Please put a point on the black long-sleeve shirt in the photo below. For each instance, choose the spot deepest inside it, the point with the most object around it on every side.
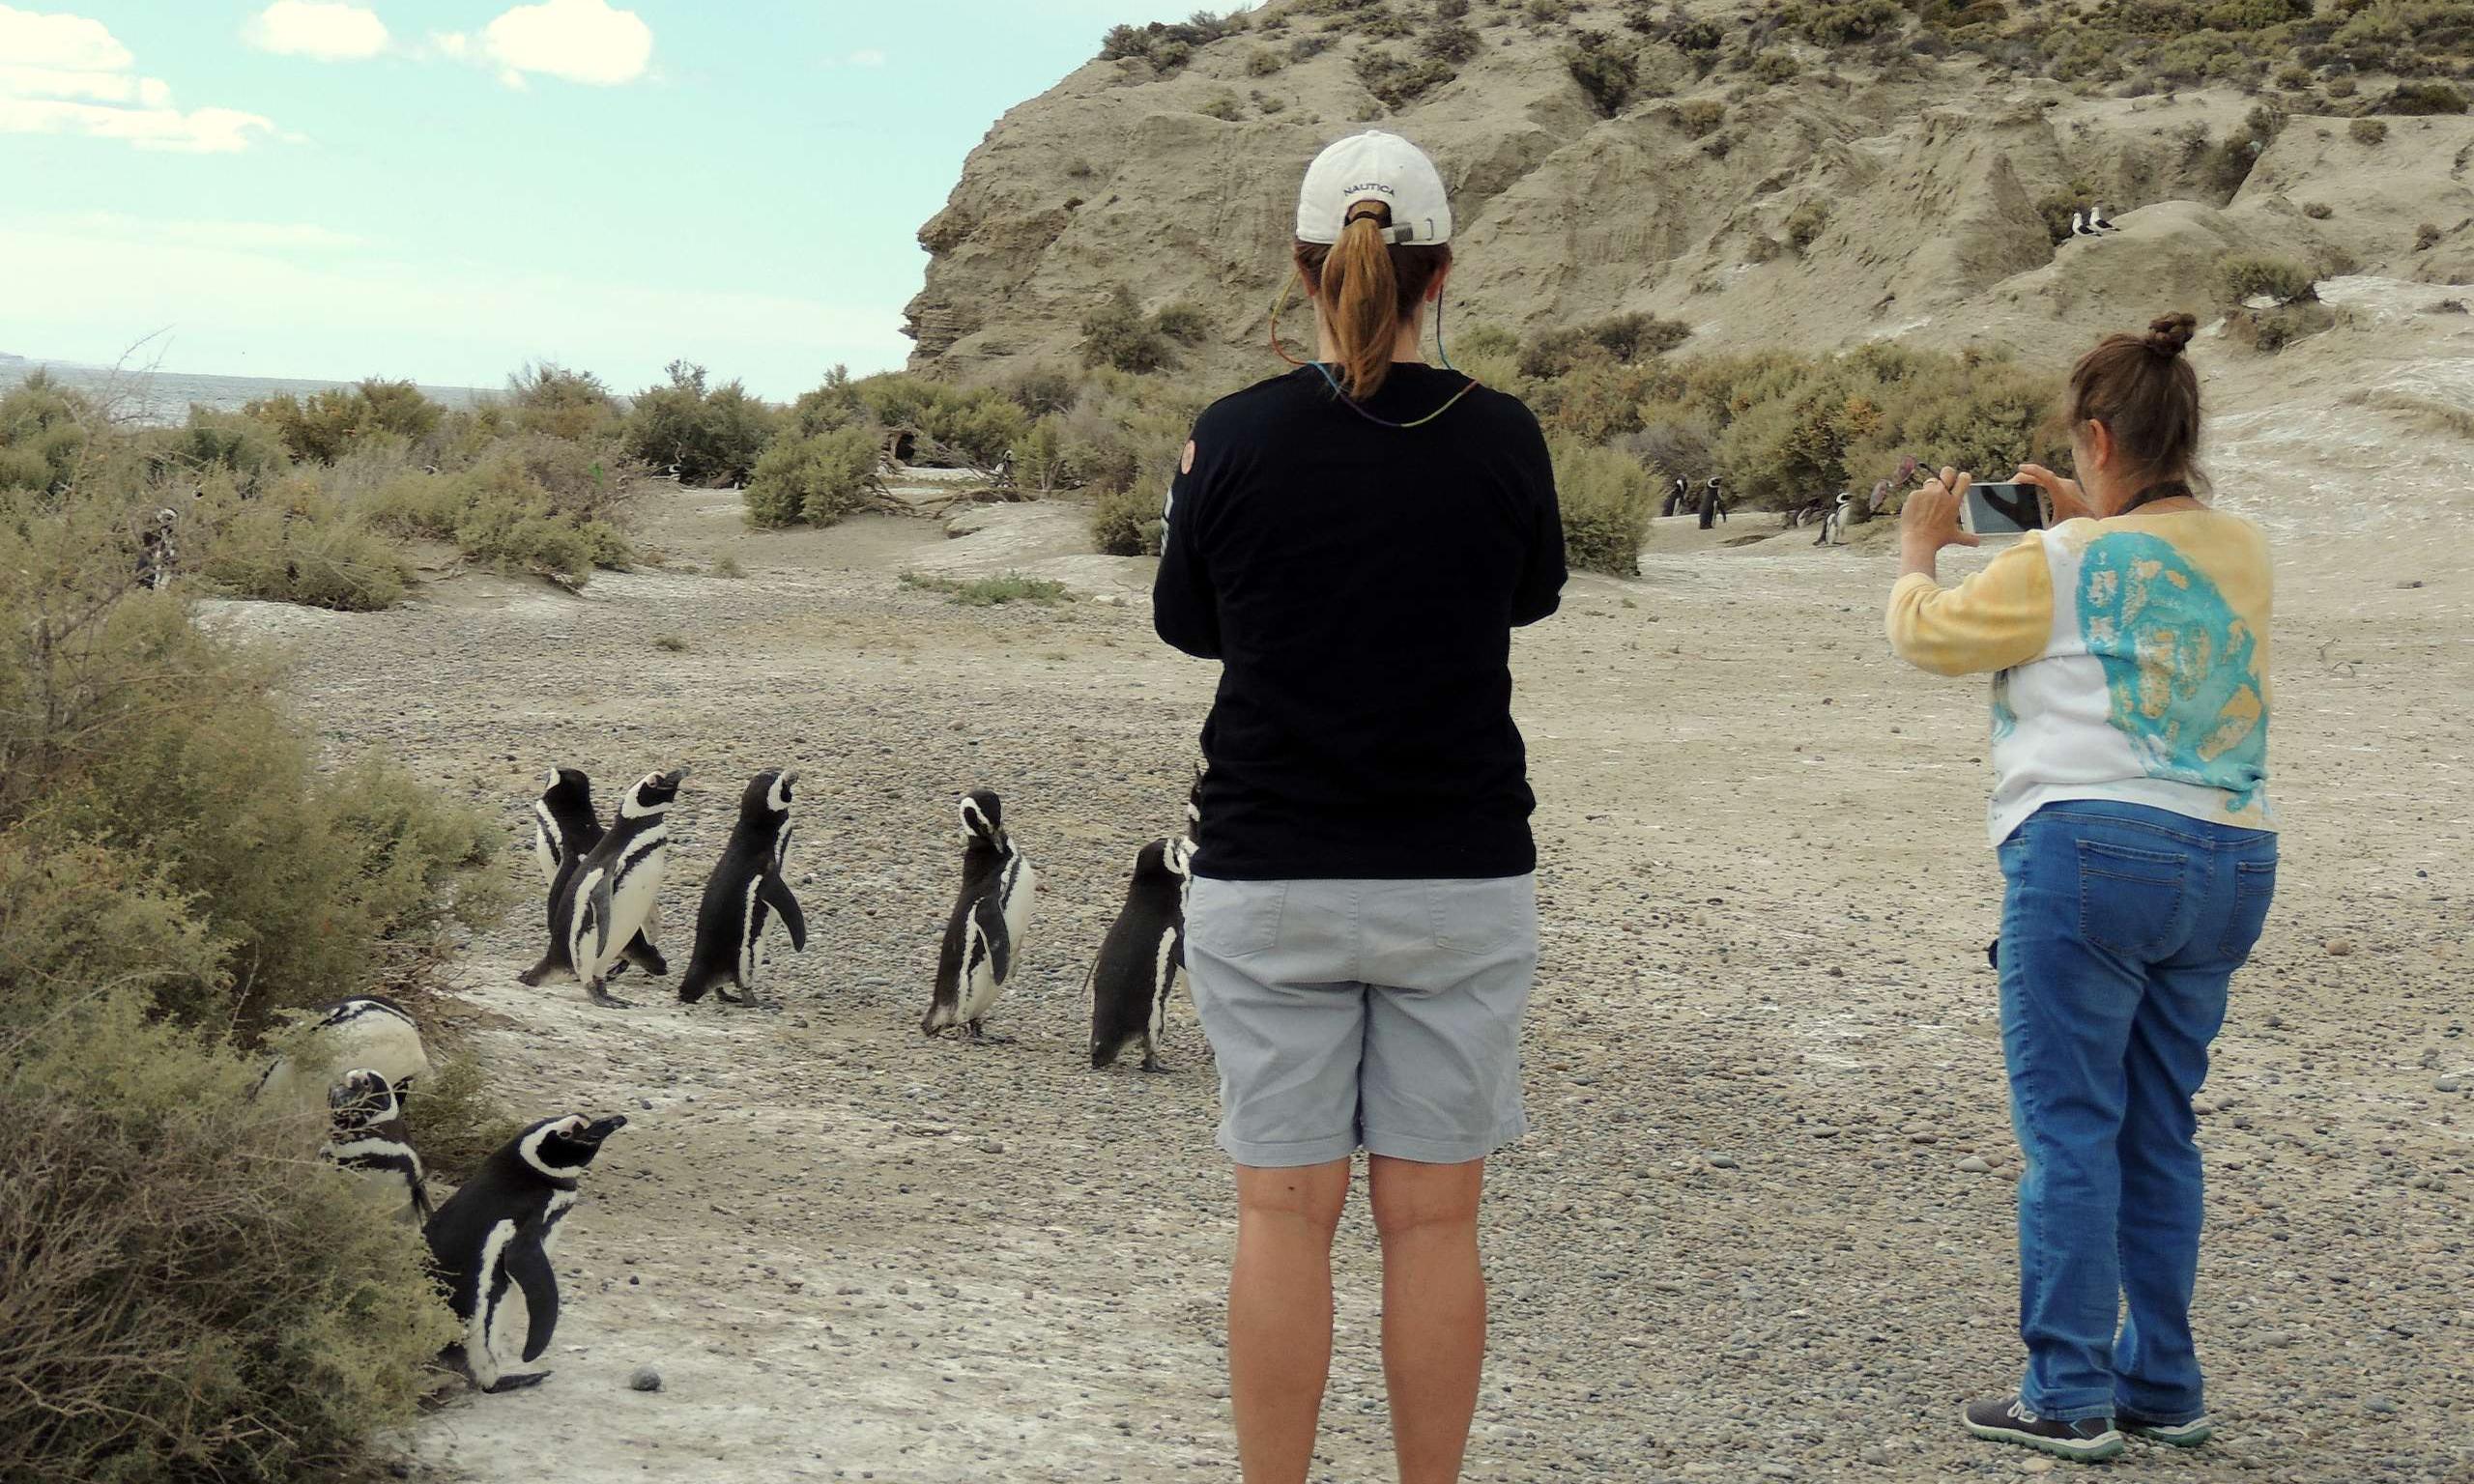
(1359, 585)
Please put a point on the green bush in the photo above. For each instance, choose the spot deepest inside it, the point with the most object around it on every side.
(1038, 459)
(328, 423)
(499, 514)
(2369, 132)
(251, 452)
(1604, 71)
(1225, 106)
(1398, 80)
(1447, 39)
(44, 430)
(1701, 117)
(703, 436)
(2243, 276)
(1623, 338)
(2424, 98)
(294, 543)
(814, 481)
(551, 400)
(1041, 390)
(1127, 522)
(1117, 334)
(1840, 22)
(1804, 224)
(1608, 501)
(1775, 67)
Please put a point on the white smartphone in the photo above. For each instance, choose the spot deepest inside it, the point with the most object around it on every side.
(2003, 509)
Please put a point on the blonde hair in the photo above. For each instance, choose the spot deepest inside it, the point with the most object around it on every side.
(1368, 289)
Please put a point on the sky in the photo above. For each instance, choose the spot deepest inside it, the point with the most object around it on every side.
(445, 189)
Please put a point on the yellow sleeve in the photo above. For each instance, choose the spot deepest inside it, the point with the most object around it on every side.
(1996, 618)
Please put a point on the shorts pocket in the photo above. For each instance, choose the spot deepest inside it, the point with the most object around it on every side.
(1235, 919)
(1476, 919)
(2254, 887)
(2130, 901)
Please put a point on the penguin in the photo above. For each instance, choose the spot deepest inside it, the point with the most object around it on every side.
(609, 897)
(503, 1224)
(564, 831)
(368, 1032)
(156, 551)
(1143, 957)
(1713, 506)
(745, 885)
(1833, 526)
(367, 1135)
(1676, 495)
(992, 917)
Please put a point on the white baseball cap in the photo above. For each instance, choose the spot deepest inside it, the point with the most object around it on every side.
(1375, 166)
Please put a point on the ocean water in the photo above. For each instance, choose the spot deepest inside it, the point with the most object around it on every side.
(161, 397)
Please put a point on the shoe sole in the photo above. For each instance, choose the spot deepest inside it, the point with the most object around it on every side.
(2094, 1451)
(2171, 1437)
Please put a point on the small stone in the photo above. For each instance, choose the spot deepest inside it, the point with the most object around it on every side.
(2449, 1083)
(1775, 1472)
(2380, 1406)
(644, 1379)
(1975, 1165)
(2340, 947)
(2037, 1465)
(1722, 1161)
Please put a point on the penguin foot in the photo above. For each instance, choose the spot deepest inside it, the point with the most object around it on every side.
(604, 998)
(988, 1037)
(1153, 1063)
(516, 1382)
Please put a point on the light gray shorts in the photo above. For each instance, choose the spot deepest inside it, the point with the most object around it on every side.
(1376, 1014)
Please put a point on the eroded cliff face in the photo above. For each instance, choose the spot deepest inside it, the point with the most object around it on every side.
(1925, 175)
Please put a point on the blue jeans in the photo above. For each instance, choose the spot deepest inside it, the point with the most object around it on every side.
(2123, 927)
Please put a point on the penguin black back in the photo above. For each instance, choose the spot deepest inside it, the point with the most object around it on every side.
(502, 1226)
(745, 887)
(992, 915)
(563, 826)
(1141, 957)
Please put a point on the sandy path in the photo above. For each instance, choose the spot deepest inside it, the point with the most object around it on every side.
(1739, 1243)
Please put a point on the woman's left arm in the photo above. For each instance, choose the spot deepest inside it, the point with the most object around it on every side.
(1999, 617)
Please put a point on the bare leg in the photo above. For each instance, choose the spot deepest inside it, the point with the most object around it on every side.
(1434, 1308)
(1280, 1314)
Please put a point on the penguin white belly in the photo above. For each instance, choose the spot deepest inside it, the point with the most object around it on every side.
(1165, 974)
(631, 907)
(542, 855)
(751, 937)
(981, 992)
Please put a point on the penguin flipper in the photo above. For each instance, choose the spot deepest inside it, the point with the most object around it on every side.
(422, 1210)
(600, 916)
(529, 1266)
(643, 955)
(989, 920)
(776, 894)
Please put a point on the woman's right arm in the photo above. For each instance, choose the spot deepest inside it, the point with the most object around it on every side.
(1540, 589)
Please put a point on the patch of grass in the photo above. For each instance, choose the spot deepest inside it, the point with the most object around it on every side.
(672, 642)
(2244, 276)
(456, 1118)
(727, 565)
(2318, 210)
(2368, 131)
(991, 591)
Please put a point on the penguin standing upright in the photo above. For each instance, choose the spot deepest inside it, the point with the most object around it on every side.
(158, 551)
(992, 917)
(610, 895)
(502, 1224)
(565, 832)
(367, 1135)
(1143, 957)
(1714, 507)
(366, 1031)
(1675, 494)
(745, 885)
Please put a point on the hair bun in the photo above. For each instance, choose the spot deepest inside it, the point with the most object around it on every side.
(2168, 333)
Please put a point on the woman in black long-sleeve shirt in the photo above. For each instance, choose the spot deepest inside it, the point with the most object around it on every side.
(1355, 542)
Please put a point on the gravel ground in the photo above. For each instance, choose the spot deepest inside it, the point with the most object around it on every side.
(1763, 1226)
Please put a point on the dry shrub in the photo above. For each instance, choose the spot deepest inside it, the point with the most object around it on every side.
(704, 435)
(457, 1120)
(323, 427)
(2243, 276)
(499, 514)
(814, 481)
(1127, 520)
(294, 543)
(1608, 500)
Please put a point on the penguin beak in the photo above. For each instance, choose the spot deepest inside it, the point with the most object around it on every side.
(789, 776)
(602, 1129)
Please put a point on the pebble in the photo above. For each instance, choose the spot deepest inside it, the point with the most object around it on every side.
(2380, 1406)
(644, 1379)
(1975, 1165)
(1722, 1161)
(2340, 947)
(2449, 1083)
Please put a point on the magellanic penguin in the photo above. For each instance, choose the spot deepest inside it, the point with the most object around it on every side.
(611, 894)
(503, 1224)
(565, 832)
(745, 886)
(991, 918)
(366, 1031)
(367, 1135)
(1143, 957)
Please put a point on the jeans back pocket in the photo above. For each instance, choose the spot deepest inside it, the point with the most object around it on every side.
(2130, 901)
(2255, 886)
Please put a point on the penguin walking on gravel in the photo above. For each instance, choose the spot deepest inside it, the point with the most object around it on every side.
(1143, 957)
(745, 887)
(502, 1226)
(611, 894)
(366, 1136)
(991, 915)
(564, 831)
(367, 1031)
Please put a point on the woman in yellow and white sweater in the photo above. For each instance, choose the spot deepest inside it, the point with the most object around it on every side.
(2128, 647)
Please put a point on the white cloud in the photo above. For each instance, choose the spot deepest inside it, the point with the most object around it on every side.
(231, 236)
(328, 30)
(67, 74)
(580, 40)
(72, 42)
(867, 56)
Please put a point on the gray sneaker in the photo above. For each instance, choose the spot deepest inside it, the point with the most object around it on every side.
(2173, 1435)
(2007, 1420)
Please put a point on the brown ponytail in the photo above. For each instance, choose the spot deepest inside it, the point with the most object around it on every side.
(1367, 290)
(2144, 392)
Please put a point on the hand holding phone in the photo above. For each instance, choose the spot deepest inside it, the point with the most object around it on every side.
(2003, 509)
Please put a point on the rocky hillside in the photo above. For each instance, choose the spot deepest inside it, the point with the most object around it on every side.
(1813, 176)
